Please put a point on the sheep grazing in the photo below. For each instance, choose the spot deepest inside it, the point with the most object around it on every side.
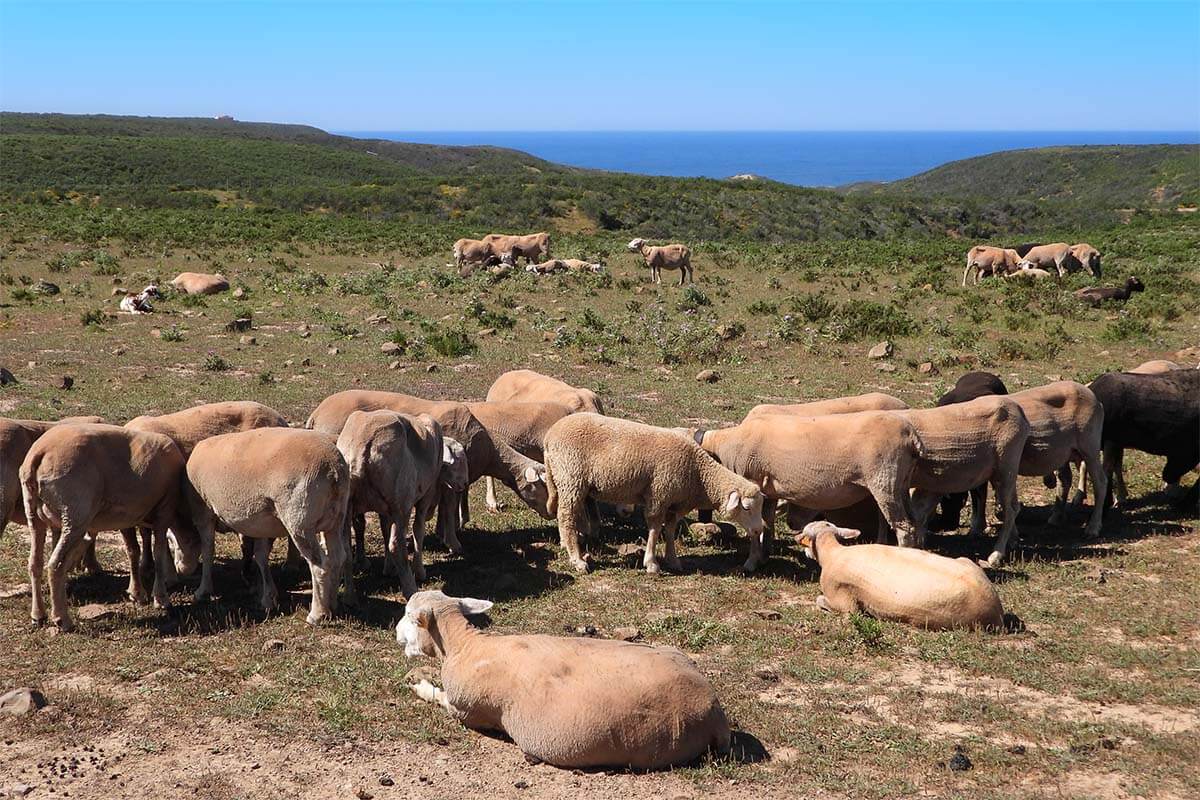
(470, 252)
(668, 256)
(1155, 413)
(568, 702)
(16, 437)
(625, 462)
(396, 462)
(1057, 256)
(1095, 295)
(530, 246)
(915, 587)
(984, 260)
(520, 425)
(825, 463)
(1088, 257)
(274, 483)
(82, 478)
(525, 385)
(200, 283)
(968, 387)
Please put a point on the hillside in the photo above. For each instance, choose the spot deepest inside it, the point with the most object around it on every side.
(1101, 176)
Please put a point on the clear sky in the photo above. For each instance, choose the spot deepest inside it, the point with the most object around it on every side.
(581, 65)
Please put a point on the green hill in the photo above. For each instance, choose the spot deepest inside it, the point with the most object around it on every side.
(1101, 176)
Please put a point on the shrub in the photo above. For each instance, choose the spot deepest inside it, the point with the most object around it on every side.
(693, 299)
(813, 307)
(858, 319)
(171, 334)
(763, 308)
(91, 318)
(1127, 327)
(451, 342)
(869, 629)
(214, 363)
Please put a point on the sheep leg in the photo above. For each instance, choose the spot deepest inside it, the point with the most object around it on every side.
(672, 560)
(162, 557)
(398, 550)
(321, 568)
(424, 508)
(295, 559)
(650, 560)
(979, 510)
(1095, 470)
(206, 527)
(391, 566)
(760, 540)
(1080, 488)
(90, 562)
(137, 587)
(69, 548)
(1006, 495)
(37, 551)
(493, 505)
(269, 597)
(570, 513)
(432, 694)
(460, 515)
(1113, 457)
(359, 523)
(892, 499)
(146, 559)
(1059, 515)
(923, 503)
(1172, 475)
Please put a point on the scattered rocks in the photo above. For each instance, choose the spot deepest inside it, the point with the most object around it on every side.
(239, 325)
(707, 376)
(885, 367)
(394, 364)
(386, 780)
(959, 761)
(521, 784)
(7, 378)
(391, 348)
(627, 634)
(306, 362)
(728, 331)
(273, 646)
(239, 293)
(19, 702)
(1017, 749)
(45, 287)
(767, 674)
(305, 331)
(487, 332)
(766, 613)
(248, 340)
(882, 350)
(377, 319)
(362, 794)
(927, 368)
(95, 611)
(333, 351)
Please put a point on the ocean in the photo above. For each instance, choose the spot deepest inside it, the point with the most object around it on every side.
(803, 158)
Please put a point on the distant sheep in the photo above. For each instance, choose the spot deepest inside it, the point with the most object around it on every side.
(670, 256)
(983, 260)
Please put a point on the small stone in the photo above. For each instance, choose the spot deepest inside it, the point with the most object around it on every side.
(377, 319)
(67, 382)
(767, 613)
(549, 336)
(19, 790)
(1108, 743)
(766, 674)
(627, 634)
(1017, 749)
(20, 590)
(46, 287)
(305, 333)
(704, 530)
(156, 333)
(386, 780)
(521, 784)
(882, 350)
(927, 368)
(273, 645)
(959, 761)
(248, 340)
(118, 351)
(431, 368)
(20, 702)
(885, 367)
(394, 364)
(727, 331)
(707, 376)
(333, 351)
(7, 378)
(238, 325)
(585, 630)
(239, 293)
(118, 292)
(760, 344)
(362, 794)
(306, 362)
(629, 549)
(95, 611)
(487, 331)
(288, 362)
(390, 348)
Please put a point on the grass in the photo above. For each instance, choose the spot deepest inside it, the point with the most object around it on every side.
(847, 706)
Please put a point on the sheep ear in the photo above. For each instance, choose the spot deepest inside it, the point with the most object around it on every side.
(734, 500)
(848, 533)
(698, 436)
(532, 475)
(469, 605)
(804, 539)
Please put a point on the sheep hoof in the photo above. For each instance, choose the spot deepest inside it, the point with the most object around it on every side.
(316, 618)
(653, 568)
(64, 625)
(581, 566)
(675, 565)
(993, 560)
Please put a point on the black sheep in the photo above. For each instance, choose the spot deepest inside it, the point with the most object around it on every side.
(1095, 295)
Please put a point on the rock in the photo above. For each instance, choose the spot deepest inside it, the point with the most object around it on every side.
(19, 790)
(333, 351)
(927, 368)
(487, 332)
(728, 331)
(239, 293)
(885, 367)
(394, 364)
(704, 530)
(95, 611)
(627, 634)
(882, 350)
(20, 702)
(306, 362)
(767, 674)
(431, 368)
(118, 292)
(521, 784)
(45, 287)
(7, 378)
(362, 794)
(1017, 749)
(707, 376)
(20, 590)
(629, 549)
(386, 780)
(118, 351)
(67, 382)
(248, 340)
(760, 344)
(238, 325)
(585, 630)
(377, 319)
(549, 336)
(390, 348)
(273, 646)
(959, 761)
(766, 613)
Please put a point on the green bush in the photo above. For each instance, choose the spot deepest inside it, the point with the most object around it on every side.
(450, 342)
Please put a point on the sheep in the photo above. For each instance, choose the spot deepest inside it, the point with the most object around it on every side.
(671, 256)
(396, 464)
(825, 463)
(579, 265)
(984, 260)
(625, 462)
(968, 387)
(546, 267)
(1029, 273)
(1154, 367)
(527, 386)
(468, 252)
(529, 246)
(485, 456)
(568, 702)
(1056, 256)
(272, 483)
(1088, 257)
(915, 587)
(140, 303)
(92, 477)
(872, 401)
(1095, 295)
(520, 425)
(16, 437)
(200, 283)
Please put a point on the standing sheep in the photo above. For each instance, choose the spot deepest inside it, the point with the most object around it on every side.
(625, 462)
(670, 256)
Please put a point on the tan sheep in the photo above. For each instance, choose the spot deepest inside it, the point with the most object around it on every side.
(83, 478)
(569, 702)
(915, 587)
(468, 252)
(668, 256)
(530, 246)
(1155, 367)
(16, 437)
(527, 386)
(872, 401)
(520, 425)
(984, 260)
(273, 483)
(200, 283)
(625, 462)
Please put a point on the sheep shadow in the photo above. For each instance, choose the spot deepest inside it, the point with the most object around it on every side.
(501, 566)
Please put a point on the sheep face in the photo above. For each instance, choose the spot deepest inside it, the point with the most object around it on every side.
(532, 488)
(454, 472)
(808, 537)
(1134, 285)
(636, 245)
(413, 629)
(746, 510)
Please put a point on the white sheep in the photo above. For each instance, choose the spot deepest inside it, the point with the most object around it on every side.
(671, 256)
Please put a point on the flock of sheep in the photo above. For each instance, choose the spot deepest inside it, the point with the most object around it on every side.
(238, 467)
(499, 252)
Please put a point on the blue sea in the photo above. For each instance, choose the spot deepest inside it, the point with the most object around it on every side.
(803, 158)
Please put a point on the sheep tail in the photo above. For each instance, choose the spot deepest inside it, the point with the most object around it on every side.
(551, 494)
(29, 489)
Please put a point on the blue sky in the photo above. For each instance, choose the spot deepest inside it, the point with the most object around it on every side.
(614, 65)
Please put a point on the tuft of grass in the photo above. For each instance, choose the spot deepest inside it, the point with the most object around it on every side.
(450, 342)
(213, 362)
(171, 334)
(92, 318)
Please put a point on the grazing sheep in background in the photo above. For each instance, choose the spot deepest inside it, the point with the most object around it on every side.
(1055, 256)
(1096, 295)
(669, 256)
(274, 483)
(200, 283)
(468, 252)
(984, 260)
(1088, 257)
(1154, 367)
(530, 246)
(915, 587)
(625, 462)
(568, 702)
(82, 478)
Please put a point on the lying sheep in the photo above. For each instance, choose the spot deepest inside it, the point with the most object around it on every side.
(1029, 273)
(273, 483)
(826, 463)
(1096, 295)
(984, 260)
(140, 303)
(915, 587)
(200, 283)
(668, 256)
(579, 265)
(1156, 366)
(569, 702)
(82, 478)
(625, 462)
(546, 267)
(397, 463)
(872, 401)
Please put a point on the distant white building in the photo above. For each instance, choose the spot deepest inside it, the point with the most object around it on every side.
(224, 118)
